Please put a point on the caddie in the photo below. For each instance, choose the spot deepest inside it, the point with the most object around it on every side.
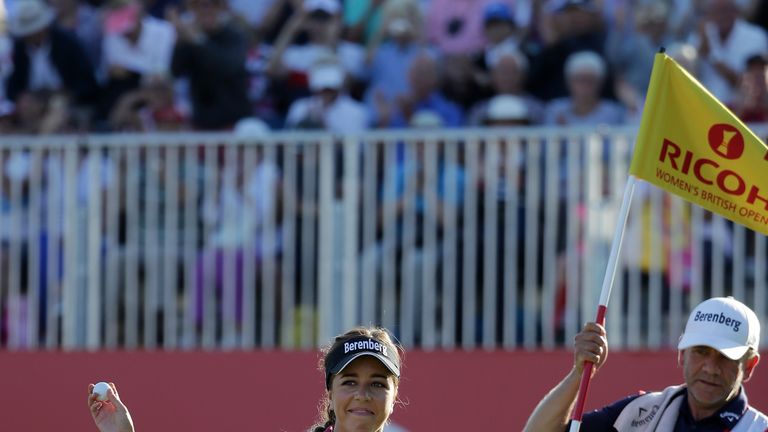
(718, 353)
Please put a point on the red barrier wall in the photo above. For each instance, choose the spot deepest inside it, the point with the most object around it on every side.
(275, 391)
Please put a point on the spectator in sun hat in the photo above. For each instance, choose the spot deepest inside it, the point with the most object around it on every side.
(329, 107)
(718, 353)
(585, 73)
(46, 57)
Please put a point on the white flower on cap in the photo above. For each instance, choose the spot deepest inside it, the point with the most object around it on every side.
(722, 323)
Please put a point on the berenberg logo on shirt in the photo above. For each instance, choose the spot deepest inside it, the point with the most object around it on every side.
(719, 318)
(365, 345)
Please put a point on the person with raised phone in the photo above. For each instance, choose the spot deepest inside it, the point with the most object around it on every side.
(718, 352)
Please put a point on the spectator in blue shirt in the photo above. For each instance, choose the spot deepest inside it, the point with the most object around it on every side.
(391, 52)
(423, 97)
(718, 352)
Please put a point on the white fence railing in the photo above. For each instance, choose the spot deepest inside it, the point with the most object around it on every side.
(452, 239)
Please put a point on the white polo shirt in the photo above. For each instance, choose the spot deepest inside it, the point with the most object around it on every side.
(151, 55)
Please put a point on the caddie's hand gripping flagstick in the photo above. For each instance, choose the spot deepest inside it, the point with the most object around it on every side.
(605, 294)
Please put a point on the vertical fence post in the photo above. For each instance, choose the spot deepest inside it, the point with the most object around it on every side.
(327, 225)
(93, 166)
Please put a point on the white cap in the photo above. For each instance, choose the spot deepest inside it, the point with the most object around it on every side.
(331, 7)
(250, 127)
(507, 107)
(585, 61)
(326, 76)
(722, 323)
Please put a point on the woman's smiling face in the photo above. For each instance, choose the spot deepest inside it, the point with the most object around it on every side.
(363, 396)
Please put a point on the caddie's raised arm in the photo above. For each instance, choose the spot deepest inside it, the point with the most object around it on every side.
(718, 353)
(554, 411)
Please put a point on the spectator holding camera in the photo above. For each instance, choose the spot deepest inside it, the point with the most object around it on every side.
(394, 47)
(318, 22)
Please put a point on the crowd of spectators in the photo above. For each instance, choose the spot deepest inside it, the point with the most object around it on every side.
(345, 66)
(73, 66)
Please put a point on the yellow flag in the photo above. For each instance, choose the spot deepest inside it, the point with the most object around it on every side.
(691, 145)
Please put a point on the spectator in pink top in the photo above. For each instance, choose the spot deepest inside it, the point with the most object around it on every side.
(137, 50)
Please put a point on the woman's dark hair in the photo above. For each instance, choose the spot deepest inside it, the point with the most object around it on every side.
(327, 416)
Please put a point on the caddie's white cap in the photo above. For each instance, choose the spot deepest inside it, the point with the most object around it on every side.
(722, 323)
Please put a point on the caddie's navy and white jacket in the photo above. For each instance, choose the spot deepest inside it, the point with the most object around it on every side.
(668, 411)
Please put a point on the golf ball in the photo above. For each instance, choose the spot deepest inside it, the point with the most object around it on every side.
(101, 390)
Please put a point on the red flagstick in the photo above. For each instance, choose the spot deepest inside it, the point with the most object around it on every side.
(605, 294)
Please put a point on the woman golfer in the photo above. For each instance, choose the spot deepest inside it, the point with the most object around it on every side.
(362, 374)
